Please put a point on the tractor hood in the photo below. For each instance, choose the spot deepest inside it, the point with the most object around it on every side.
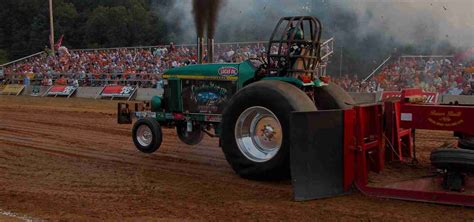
(240, 72)
(204, 71)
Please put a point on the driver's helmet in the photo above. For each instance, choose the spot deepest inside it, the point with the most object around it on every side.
(299, 35)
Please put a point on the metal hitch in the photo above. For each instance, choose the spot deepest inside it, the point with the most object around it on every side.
(124, 115)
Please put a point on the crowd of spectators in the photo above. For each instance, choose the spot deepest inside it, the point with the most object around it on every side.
(136, 66)
(431, 74)
(143, 67)
(351, 83)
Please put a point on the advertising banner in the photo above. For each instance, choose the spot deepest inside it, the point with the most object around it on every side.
(430, 98)
(61, 91)
(13, 89)
(118, 91)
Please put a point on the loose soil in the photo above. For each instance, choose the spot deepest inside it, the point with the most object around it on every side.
(67, 159)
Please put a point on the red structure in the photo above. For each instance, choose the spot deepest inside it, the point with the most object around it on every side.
(399, 140)
(366, 151)
(403, 117)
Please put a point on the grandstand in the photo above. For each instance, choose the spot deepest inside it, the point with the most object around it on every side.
(143, 66)
(138, 66)
(443, 74)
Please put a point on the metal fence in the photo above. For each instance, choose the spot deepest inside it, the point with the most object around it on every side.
(218, 45)
(144, 80)
(21, 59)
(93, 79)
(151, 48)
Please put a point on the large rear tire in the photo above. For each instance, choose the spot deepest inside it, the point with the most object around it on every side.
(255, 128)
(332, 96)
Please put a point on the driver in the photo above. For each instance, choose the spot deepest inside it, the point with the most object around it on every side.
(298, 32)
(294, 33)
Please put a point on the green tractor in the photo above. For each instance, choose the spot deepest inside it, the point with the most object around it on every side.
(247, 105)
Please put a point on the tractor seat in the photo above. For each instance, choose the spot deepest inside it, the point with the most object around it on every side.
(299, 63)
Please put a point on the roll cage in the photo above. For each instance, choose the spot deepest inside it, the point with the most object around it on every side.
(292, 53)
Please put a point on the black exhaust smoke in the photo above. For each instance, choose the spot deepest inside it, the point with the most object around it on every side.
(199, 7)
(214, 6)
(199, 11)
(205, 16)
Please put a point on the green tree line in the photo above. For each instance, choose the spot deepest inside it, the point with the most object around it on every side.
(24, 25)
(24, 29)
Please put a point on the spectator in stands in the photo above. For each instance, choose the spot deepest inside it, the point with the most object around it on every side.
(61, 81)
(454, 90)
(466, 90)
(26, 80)
(74, 83)
(44, 81)
(50, 81)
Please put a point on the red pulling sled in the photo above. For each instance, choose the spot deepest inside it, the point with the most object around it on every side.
(335, 151)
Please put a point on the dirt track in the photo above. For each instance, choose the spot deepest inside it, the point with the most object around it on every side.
(67, 159)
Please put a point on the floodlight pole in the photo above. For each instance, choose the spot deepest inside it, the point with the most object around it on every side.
(51, 24)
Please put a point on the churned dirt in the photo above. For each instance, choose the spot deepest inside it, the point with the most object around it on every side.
(8, 219)
(67, 159)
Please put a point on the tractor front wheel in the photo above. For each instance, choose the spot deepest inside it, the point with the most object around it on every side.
(190, 138)
(147, 135)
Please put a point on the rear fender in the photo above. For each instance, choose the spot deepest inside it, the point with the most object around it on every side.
(293, 81)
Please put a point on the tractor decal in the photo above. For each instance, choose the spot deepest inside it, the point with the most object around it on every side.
(208, 97)
(445, 119)
(228, 71)
(202, 77)
(200, 96)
